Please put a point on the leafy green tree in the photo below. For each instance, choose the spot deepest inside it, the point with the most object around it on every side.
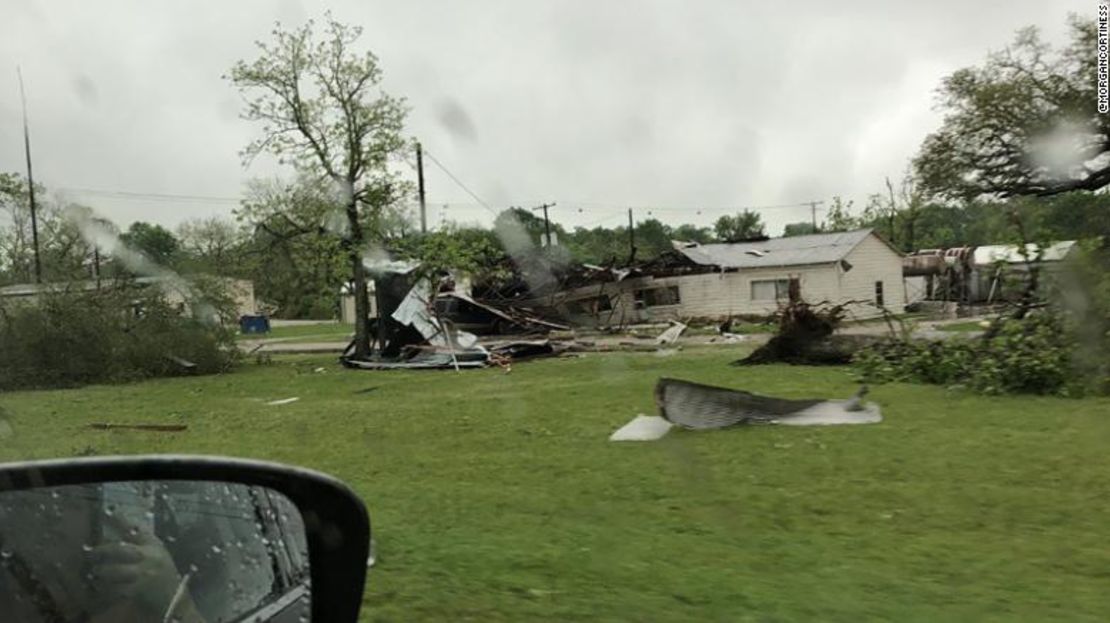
(294, 246)
(16, 248)
(322, 108)
(210, 245)
(652, 238)
(157, 243)
(692, 233)
(64, 253)
(1025, 122)
(599, 245)
(467, 250)
(1075, 215)
(839, 216)
(801, 228)
(746, 224)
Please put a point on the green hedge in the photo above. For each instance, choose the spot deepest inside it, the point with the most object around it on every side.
(1033, 356)
(124, 333)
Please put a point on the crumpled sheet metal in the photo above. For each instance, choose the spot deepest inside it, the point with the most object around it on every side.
(428, 361)
(696, 406)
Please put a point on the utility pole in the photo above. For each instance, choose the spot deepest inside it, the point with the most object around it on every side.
(30, 180)
(546, 222)
(813, 213)
(96, 265)
(420, 186)
(631, 239)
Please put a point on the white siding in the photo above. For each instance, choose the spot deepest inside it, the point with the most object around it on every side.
(873, 260)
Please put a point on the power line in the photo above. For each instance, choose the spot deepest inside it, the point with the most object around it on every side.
(459, 182)
(690, 208)
(579, 206)
(128, 194)
(600, 220)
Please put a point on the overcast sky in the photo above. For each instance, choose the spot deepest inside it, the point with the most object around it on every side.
(687, 109)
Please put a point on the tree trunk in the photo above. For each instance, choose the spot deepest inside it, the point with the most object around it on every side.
(358, 274)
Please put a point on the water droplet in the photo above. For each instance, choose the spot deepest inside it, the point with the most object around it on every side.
(216, 549)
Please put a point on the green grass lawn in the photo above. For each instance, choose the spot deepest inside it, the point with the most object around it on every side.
(496, 497)
(330, 332)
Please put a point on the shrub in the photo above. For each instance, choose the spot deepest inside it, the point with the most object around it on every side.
(119, 334)
(1033, 355)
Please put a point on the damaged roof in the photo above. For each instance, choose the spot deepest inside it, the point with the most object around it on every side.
(792, 251)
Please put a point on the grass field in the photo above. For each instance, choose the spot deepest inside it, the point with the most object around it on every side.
(496, 497)
(328, 332)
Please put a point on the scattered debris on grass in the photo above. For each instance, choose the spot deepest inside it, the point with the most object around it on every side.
(642, 428)
(731, 338)
(671, 335)
(283, 401)
(184, 364)
(159, 428)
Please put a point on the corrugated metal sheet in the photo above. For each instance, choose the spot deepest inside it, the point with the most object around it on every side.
(1011, 254)
(792, 251)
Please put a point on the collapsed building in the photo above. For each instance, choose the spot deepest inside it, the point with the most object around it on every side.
(725, 280)
(420, 321)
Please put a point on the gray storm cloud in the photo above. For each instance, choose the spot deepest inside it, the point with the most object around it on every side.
(711, 104)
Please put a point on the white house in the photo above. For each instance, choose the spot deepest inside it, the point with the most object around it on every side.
(717, 281)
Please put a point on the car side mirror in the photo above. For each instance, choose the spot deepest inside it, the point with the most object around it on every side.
(189, 539)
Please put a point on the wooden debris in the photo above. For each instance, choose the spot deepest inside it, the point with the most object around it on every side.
(159, 428)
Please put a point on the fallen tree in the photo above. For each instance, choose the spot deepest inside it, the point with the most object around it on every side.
(804, 335)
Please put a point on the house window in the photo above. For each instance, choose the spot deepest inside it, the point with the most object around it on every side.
(879, 293)
(654, 297)
(770, 289)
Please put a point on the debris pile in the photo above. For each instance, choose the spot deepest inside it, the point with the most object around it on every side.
(481, 317)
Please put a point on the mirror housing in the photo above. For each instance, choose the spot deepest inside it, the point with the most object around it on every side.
(337, 525)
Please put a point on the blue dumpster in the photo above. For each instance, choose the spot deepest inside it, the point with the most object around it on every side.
(254, 324)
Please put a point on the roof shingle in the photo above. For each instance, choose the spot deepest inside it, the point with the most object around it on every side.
(792, 251)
